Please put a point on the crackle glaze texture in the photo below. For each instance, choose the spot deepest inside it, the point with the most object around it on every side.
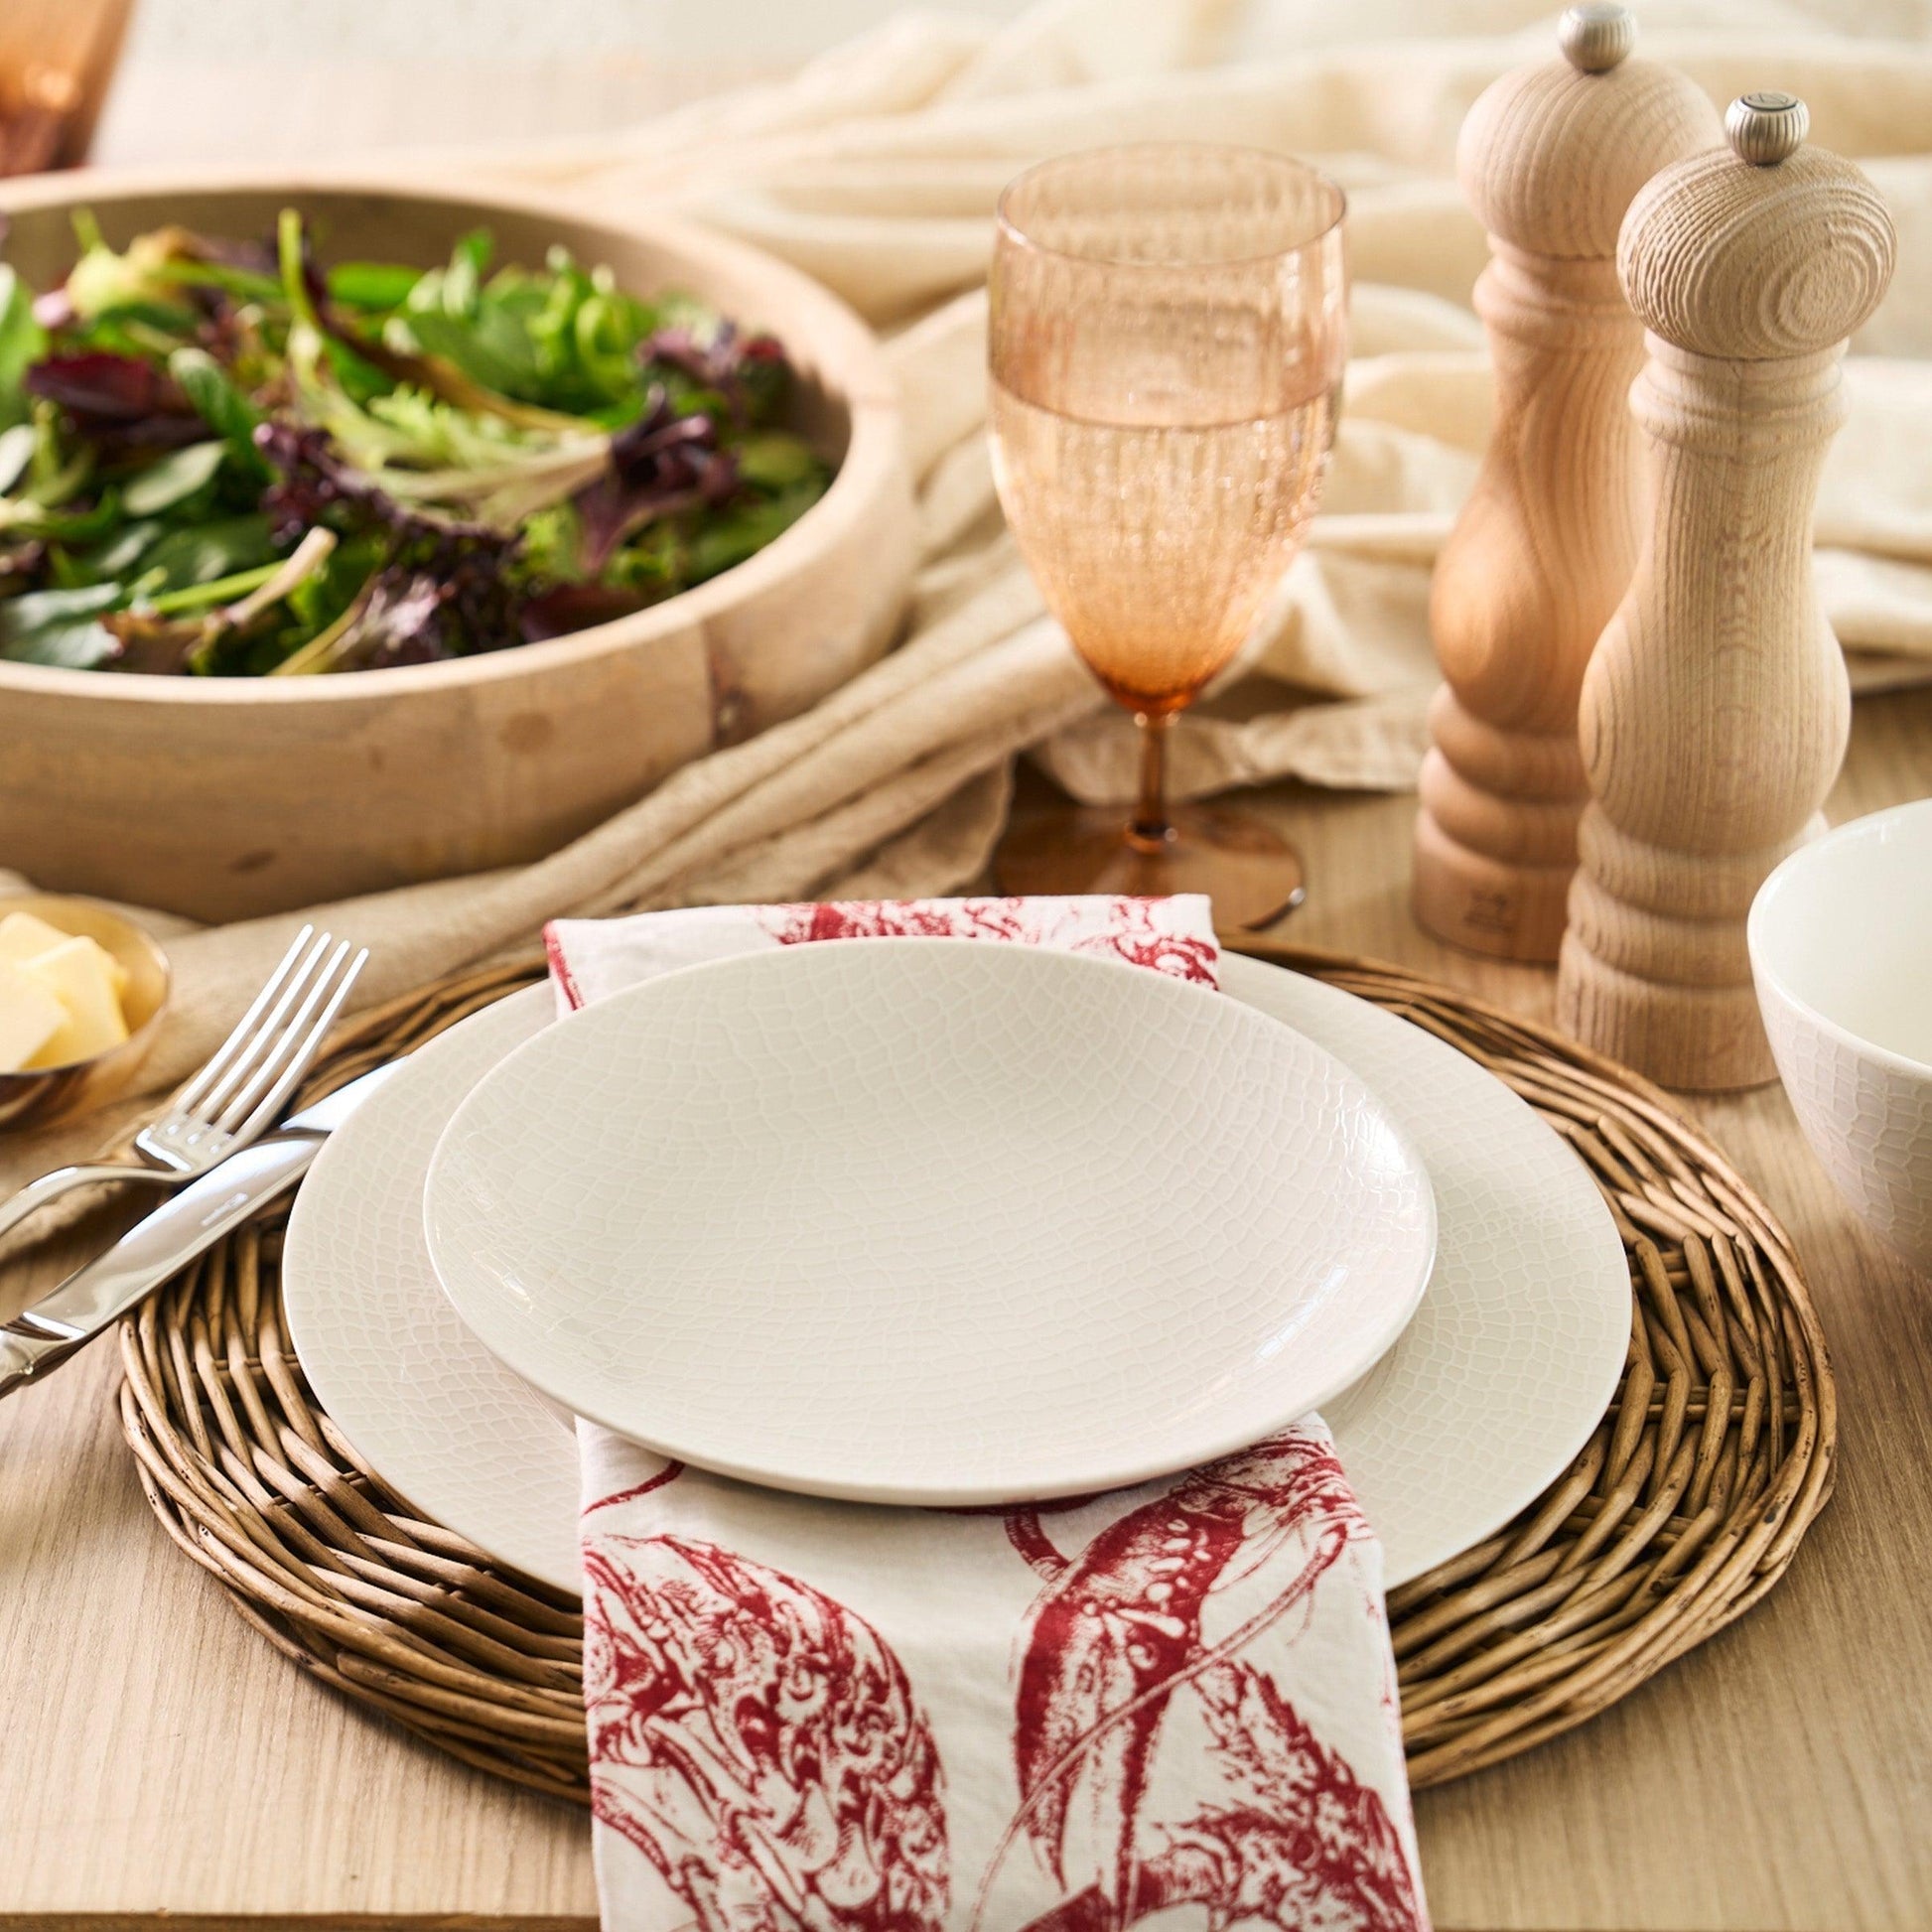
(1488, 1392)
(1515, 1351)
(928, 1220)
(470, 1443)
(1841, 949)
(1869, 1122)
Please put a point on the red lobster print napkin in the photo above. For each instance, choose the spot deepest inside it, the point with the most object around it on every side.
(1174, 1702)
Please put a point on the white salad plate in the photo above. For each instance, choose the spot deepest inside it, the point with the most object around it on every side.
(929, 1221)
(1483, 1400)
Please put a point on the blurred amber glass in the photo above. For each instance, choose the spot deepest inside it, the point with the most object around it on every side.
(1166, 341)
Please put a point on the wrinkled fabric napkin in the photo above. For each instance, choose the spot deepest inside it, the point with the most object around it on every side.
(1177, 1700)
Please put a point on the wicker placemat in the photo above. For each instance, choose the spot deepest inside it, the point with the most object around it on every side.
(1682, 1510)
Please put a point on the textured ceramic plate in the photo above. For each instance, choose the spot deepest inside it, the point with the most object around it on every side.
(1490, 1390)
(929, 1221)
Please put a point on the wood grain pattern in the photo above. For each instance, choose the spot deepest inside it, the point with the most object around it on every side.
(123, 786)
(1549, 158)
(1714, 710)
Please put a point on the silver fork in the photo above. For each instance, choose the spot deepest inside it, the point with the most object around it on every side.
(241, 1091)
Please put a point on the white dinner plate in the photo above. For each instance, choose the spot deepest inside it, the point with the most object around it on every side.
(1490, 1390)
(928, 1221)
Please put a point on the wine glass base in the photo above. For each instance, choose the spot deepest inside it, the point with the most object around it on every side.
(1250, 871)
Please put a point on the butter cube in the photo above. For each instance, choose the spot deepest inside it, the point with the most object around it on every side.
(25, 936)
(81, 975)
(30, 1017)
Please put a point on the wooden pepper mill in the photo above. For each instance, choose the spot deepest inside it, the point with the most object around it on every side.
(1715, 709)
(1549, 158)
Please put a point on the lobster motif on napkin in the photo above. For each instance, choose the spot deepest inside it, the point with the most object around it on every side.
(1117, 1637)
(757, 1742)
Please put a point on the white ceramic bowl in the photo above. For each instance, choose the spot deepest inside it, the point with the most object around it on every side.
(1841, 942)
(929, 1221)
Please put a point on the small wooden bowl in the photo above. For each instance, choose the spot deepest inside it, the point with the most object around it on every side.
(48, 1093)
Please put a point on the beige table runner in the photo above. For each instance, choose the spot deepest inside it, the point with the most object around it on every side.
(875, 169)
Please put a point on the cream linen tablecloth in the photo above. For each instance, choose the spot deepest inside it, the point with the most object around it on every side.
(875, 169)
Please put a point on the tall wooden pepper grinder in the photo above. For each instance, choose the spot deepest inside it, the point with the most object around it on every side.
(1715, 709)
(1549, 158)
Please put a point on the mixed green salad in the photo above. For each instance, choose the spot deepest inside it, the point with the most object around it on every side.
(217, 459)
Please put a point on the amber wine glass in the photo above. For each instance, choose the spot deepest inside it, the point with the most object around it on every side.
(1167, 331)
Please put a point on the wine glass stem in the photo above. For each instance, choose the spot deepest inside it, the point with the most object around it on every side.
(1149, 827)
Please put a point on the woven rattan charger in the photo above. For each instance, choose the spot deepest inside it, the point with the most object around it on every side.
(1680, 1512)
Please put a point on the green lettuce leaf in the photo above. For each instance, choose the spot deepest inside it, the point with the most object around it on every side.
(22, 342)
(60, 628)
(175, 479)
(203, 552)
(223, 407)
(16, 453)
(371, 285)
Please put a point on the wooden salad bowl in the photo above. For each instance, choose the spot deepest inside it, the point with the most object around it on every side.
(225, 797)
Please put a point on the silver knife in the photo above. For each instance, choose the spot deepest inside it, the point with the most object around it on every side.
(95, 1298)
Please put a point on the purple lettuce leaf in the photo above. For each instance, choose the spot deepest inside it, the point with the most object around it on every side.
(256, 254)
(452, 605)
(661, 464)
(565, 608)
(445, 589)
(742, 370)
(117, 401)
(313, 478)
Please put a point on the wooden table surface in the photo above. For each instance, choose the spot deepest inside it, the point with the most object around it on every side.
(158, 1758)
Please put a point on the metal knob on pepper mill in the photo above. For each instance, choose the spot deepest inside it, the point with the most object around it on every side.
(1715, 707)
(1549, 158)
